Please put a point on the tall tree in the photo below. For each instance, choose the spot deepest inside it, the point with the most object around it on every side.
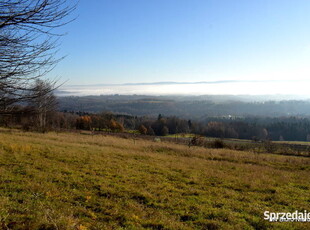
(44, 101)
(27, 44)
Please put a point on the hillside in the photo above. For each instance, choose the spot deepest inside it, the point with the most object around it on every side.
(189, 107)
(76, 181)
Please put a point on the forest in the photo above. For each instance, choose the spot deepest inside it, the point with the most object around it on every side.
(188, 107)
(256, 128)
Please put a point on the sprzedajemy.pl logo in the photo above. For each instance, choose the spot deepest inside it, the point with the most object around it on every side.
(287, 216)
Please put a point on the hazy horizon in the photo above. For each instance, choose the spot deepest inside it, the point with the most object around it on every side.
(291, 88)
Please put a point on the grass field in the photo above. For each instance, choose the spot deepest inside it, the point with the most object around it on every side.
(75, 181)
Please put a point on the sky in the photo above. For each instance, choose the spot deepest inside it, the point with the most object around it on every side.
(139, 41)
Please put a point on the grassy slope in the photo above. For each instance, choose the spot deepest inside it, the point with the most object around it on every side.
(74, 181)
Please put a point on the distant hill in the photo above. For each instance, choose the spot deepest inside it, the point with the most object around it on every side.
(193, 107)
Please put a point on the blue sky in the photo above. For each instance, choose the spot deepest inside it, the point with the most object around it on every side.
(128, 41)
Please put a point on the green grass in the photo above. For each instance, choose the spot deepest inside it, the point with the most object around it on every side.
(181, 135)
(294, 142)
(74, 181)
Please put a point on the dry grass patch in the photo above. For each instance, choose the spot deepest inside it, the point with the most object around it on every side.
(74, 181)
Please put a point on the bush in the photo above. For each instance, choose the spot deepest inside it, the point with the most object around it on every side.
(164, 131)
(197, 141)
(217, 144)
(143, 129)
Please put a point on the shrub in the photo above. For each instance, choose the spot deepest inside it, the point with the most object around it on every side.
(164, 131)
(142, 129)
(197, 141)
(217, 144)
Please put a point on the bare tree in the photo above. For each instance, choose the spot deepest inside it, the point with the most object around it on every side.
(28, 43)
(44, 101)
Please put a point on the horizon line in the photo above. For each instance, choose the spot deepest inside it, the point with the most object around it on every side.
(184, 83)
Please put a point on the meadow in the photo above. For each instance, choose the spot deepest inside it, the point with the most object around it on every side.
(79, 181)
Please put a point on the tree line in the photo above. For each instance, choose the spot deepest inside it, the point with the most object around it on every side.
(41, 116)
